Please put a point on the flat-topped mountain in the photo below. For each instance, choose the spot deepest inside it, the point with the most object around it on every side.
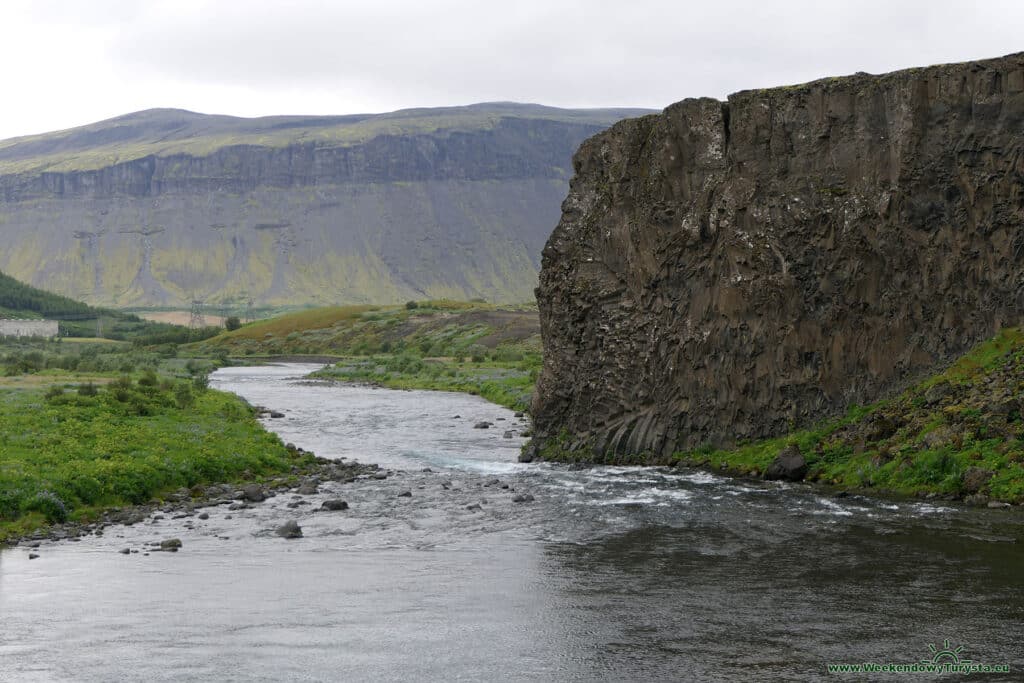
(165, 206)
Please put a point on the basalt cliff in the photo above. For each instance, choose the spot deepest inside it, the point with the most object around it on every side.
(726, 271)
(165, 206)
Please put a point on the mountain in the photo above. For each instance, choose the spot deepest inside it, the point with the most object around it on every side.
(728, 271)
(165, 206)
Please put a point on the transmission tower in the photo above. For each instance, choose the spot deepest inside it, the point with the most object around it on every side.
(248, 310)
(196, 319)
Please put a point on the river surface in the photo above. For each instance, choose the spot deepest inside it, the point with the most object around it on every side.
(609, 574)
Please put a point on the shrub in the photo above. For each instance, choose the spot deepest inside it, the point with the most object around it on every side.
(411, 305)
(49, 504)
(183, 395)
(87, 389)
(232, 323)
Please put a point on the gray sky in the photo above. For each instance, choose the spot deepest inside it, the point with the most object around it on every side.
(70, 62)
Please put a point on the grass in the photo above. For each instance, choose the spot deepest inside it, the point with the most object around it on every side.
(507, 383)
(69, 453)
(436, 328)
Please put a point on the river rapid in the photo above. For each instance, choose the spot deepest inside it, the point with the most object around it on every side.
(608, 574)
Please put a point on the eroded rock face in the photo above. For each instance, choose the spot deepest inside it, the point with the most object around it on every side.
(727, 271)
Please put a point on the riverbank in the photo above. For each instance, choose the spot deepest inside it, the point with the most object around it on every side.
(186, 504)
(508, 384)
(76, 451)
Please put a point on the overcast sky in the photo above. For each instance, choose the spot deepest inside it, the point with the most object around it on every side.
(70, 62)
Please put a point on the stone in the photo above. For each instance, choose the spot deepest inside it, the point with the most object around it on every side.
(975, 479)
(254, 493)
(997, 505)
(289, 529)
(728, 271)
(334, 505)
(474, 507)
(977, 499)
(33, 556)
(308, 489)
(405, 494)
(204, 515)
(522, 498)
(482, 425)
(508, 434)
(518, 413)
(275, 414)
(788, 465)
(170, 545)
(125, 551)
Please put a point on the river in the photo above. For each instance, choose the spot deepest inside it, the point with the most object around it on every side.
(609, 574)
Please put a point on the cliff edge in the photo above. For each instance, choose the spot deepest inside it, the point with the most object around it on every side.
(726, 271)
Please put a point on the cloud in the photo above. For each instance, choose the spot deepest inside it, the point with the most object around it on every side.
(314, 56)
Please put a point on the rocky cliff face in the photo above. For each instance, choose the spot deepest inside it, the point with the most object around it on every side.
(165, 206)
(729, 270)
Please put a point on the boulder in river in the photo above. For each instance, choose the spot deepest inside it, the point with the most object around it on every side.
(289, 529)
(308, 488)
(170, 545)
(405, 494)
(334, 505)
(254, 493)
(484, 424)
(789, 465)
(522, 498)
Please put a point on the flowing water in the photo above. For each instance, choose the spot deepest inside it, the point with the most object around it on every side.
(617, 574)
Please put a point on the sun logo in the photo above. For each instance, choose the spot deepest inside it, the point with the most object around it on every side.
(946, 655)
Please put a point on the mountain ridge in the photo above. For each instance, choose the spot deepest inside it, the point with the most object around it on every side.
(163, 207)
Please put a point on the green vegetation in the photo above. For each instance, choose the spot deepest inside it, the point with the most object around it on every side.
(958, 433)
(76, 448)
(428, 329)
(507, 383)
(87, 426)
(469, 347)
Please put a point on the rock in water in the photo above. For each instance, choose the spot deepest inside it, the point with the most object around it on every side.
(789, 465)
(729, 270)
(254, 493)
(170, 545)
(289, 529)
(334, 505)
